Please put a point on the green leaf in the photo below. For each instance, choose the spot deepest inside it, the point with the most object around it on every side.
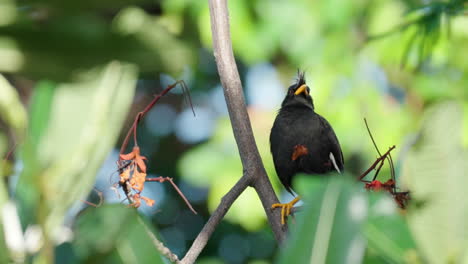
(58, 49)
(39, 114)
(13, 113)
(388, 236)
(12, 110)
(436, 172)
(61, 157)
(328, 228)
(84, 5)
(114, 234)
(40, 110)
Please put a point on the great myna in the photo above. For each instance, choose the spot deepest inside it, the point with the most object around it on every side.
(302, 141)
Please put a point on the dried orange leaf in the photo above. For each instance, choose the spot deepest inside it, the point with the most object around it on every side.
(128, 156)
(136, 201)
(148, 201)
(374, 185)
(138, 181)
(125, 175)
(141, 163)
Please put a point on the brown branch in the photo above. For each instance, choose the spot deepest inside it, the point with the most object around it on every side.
(254, 173)
(376, 162)
(389, 158)
(10, 152)
(163, 179)
(372, 137)
(140, 115)
(392, 170)
(378, 170)
(101, 199)
(159, 245)
(215, 218)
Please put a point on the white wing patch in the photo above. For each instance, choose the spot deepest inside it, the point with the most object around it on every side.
(332, 158)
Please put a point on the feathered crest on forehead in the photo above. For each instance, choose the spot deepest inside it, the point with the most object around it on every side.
(300, 78)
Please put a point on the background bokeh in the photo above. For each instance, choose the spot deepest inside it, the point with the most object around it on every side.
(360, 62)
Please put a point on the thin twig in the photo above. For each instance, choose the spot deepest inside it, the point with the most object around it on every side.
(10, 152)
(140, 115)
(101, 199)
(372, 138)
(135, 124)
(378, 170)
(159, 245)
(401, 198)
(126, 186)
(163, 179)
(187, 98)
(392, 170)
(389, 157)
(377, 161)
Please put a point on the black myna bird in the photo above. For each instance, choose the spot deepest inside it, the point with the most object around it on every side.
(302, 141)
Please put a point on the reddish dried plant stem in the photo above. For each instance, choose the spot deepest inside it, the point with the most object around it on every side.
(7, 156)
(384, 156)
(135, 124)
(101, 199)
(140, 115)
(163, 179)
(378, 170)
(389, 157)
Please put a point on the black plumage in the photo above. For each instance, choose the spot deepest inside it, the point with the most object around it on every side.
(301, 140)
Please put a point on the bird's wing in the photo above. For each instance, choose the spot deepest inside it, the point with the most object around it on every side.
(336, 155)
(284, 167)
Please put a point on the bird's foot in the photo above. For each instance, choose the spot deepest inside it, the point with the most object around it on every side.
(285, 208)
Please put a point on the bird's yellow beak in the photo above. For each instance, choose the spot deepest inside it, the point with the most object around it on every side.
(302, 89)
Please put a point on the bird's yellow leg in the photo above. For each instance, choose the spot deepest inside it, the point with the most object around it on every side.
(286, 208)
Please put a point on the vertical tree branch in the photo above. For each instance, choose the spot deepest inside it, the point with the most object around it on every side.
(254, 173)
(250, 157)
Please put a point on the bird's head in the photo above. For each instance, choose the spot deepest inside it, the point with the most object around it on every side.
(298, 94)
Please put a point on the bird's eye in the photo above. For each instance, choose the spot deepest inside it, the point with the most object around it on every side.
(290, 91)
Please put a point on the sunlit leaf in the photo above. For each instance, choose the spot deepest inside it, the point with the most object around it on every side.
(436, 173)
(328, 228)
(39, 115)
(61, 158)
(12, 110)
(388, 236)
(12, 113)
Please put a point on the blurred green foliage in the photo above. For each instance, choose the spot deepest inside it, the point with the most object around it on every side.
(436, 172)
(124, 237)
(69, 74)
(329, 229)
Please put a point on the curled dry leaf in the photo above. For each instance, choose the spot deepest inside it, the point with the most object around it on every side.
(133, 175)
(148, 201)
(136, 158)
